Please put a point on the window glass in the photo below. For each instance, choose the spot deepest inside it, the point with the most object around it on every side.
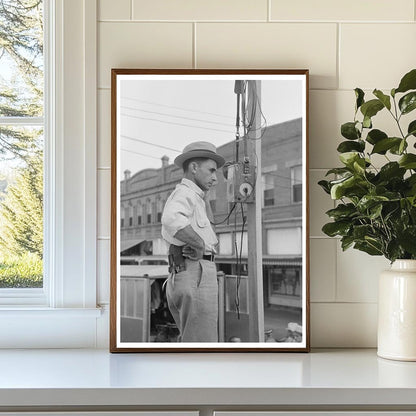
(297, 184)
(21, 144)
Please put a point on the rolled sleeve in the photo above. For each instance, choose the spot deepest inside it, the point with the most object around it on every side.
(177, 213)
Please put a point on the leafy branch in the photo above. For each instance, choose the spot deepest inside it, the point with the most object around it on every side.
(376, 210)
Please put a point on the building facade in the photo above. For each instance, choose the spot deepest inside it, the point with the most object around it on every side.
(144, 194)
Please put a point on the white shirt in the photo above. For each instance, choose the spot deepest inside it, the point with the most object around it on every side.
(186, 206)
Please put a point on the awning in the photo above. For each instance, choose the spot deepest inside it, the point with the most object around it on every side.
(126, 244)
(267, 261)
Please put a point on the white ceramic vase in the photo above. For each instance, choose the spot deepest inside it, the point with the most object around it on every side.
(397, 312)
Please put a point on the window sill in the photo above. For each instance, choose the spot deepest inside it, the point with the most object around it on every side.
(40, 327)
(34, 311)
(88, 379)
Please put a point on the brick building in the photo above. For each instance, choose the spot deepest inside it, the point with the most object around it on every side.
(143, 196)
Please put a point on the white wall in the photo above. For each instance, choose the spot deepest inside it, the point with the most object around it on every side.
(345, 44)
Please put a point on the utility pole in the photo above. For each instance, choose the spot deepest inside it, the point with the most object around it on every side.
(254, 218)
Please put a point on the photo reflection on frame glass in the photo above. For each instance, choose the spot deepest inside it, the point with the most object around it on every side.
(230, 292)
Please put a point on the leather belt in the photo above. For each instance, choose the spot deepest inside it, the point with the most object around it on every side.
(209, 257)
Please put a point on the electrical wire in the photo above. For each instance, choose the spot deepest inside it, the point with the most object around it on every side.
(151, 144)
(178, 108)
(238, 271)
(141, 154)
(171, 115)
(177, 124)
(240, 260)
(227, 217)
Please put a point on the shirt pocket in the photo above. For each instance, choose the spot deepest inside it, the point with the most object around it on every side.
(201, 217)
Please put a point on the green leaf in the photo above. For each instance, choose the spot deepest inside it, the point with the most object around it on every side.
(338, 171)
(336, 228)
(391, 170)
(383, 145)
(349, 131)
(359, 94)
(408, 102)
(359, 165)
(398, 149)
(361, 231)
(369, 201)
(349, 146)
(348, 158)
(393, 250)
(408, 82)
(338, 189)
(342, 211)
(375, 212)
(411, 130)
(408, 161)
(402, 146)
(346, 242)
(385, 99)
(407, 240)
(368, 248)
(367, 122)
(375, 136)
(371, 108)
(325, 186)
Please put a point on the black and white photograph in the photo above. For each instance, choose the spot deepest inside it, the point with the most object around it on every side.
(209, 211)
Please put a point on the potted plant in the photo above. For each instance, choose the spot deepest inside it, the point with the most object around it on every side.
(376, 206)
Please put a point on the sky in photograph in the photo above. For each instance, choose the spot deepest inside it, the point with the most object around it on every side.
(160, 117)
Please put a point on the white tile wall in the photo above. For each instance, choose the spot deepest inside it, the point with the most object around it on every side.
(376, 55)
(114, 10)
(142, 45)
(271, 45)
(343, 325)
(345, 44)
(104, 202)
(323, 269)
(357, 275)
(104, 128)
(341, 10)
(200, 10)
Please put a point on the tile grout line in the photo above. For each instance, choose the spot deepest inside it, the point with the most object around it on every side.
(254, 21)
(131, 9)
(194, 63)
(269, 11)
(338, 64)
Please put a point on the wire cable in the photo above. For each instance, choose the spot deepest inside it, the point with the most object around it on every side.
(227, 217)
(171, 115)
(177, 108)
(141, 154)
(151, 144)
(177, 124)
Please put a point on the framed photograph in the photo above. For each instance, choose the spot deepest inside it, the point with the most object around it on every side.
(209, 211)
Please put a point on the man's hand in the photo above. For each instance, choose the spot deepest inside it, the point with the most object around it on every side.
(194, 247)
(192, 253)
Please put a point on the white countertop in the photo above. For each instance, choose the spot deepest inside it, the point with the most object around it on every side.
(96, 377)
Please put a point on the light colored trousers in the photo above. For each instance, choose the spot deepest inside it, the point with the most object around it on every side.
(192, 297)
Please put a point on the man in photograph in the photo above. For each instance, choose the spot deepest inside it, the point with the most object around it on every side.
(192, 287)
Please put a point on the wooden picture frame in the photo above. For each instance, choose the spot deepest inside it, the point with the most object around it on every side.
(260, 206)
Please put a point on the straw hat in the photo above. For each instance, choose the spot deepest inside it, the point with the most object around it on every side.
(199, 149)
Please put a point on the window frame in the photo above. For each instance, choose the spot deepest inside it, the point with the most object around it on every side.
(71, 212)
(293, 183)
